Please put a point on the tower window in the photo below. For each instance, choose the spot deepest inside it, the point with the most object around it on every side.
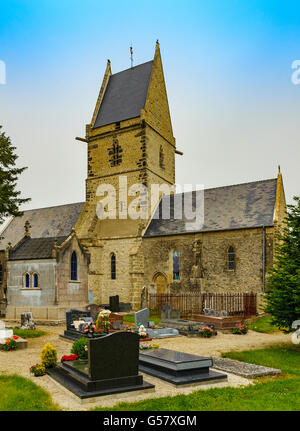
(74, 266)
(161, 158)
(113, 274)
(231, 258)
(27, 280)
(115, 153)
(176, 264)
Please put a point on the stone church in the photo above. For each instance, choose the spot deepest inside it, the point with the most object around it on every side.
(52, 259)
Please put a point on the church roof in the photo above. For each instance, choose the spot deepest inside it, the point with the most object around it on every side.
(125, 95)
(238, 206)
(45, 223)
(35, 248)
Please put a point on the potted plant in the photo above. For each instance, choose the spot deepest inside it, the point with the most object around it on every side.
(206, 332)
(38, 370)
(10, 344)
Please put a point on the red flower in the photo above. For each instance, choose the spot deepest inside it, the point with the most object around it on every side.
(69, 358)
(15, 337)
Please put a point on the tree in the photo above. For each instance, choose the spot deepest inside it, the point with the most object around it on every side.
(283, 281)
(9, 173)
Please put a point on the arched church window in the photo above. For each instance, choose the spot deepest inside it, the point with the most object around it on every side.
(35, 280)
(1, 273)
(27, 280)
(113, 273)
(231, 258)
(74, 266)
(176, 265)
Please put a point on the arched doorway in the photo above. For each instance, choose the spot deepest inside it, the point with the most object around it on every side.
(161, 283)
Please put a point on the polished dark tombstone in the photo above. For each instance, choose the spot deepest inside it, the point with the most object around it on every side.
(114, 304)
(71, 333)
(178, 368)
(112, 367)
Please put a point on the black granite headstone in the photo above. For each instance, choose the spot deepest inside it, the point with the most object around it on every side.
(112, 367)
(75, 315)
(115, 355)
(114, 303)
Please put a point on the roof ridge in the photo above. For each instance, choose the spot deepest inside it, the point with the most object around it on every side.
(230, 185)
(53, 206)
(131, 68)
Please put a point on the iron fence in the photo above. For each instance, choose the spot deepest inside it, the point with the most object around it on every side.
(193, 303)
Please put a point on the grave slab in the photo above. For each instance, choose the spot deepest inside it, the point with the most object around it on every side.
(178, 368)
(243, 369)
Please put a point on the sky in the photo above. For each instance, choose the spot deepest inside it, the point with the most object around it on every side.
(228, 70)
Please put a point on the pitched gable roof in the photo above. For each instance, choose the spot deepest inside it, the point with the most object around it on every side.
(238, 206)
(125, 95)
(35, 248)
(45, 223)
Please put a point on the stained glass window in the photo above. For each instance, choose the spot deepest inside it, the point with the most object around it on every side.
(74, 266)
(175, 265)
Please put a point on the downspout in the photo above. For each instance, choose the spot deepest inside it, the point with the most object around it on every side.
(263, 258)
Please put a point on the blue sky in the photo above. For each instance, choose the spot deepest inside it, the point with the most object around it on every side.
(227, 65)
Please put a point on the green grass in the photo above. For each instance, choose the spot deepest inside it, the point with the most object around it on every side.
(284, 357)
(263, 325)
(20, 394)
(268, 394)
(28, 333)
(129, 318)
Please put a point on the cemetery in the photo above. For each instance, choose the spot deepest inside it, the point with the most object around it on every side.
(117, 363)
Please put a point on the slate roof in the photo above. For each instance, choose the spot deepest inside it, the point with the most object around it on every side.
(125, 95)
(238, 206)
(45, 223)
(35, 248)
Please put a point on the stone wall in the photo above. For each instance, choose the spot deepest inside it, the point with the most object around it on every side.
(215, 275)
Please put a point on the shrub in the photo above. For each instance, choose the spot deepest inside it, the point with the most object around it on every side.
(48, 356)
(10, 344)
(38, 370)
(207, 332)
(80, 348)
(239, 329)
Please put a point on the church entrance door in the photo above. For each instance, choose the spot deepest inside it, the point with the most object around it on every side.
(161, 284)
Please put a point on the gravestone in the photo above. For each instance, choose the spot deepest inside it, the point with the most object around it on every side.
(175, 314)
(178, 368)
(112, 367)
(114, 303)
(142, 317)
(27, 321)
(165, 311)
(75, 315)
(94, 310)
(76, 320)
(125, 307)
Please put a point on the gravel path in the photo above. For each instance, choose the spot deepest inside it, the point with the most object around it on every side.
(20, 361)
